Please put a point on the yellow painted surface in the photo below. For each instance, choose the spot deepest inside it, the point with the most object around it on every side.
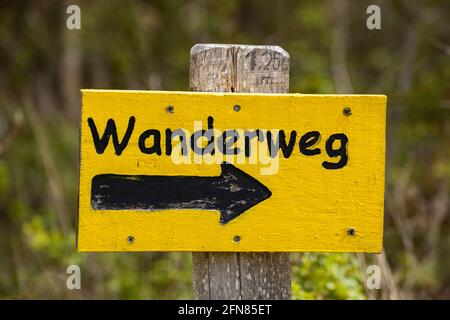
(311, 208)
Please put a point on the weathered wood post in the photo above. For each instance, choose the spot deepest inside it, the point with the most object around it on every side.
(240, 68)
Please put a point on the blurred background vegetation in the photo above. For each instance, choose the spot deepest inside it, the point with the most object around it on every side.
(145, 45)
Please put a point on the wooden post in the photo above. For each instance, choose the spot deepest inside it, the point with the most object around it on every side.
(240, 68)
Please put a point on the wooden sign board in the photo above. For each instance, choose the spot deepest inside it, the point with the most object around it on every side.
(185, 171)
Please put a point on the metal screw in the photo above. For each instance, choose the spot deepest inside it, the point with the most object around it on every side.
(237, 239)
(170, 108)
(351, 232)
(130, 239)
(237, 108)
(347, 111)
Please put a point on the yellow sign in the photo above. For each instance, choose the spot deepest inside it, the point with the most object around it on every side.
(185, 171)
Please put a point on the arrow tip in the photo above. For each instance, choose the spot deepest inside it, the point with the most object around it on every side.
(243, 192)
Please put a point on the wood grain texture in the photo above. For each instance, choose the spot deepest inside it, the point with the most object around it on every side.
(230, 68)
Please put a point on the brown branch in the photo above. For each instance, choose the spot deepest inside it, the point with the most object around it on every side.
(15, 126)
(53, 178)
(339, 45)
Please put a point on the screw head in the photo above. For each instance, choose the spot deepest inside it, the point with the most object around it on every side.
(170, 109)
(131, 239)
(237, 239)
(351, 232)
(347, 111)
(237, 108)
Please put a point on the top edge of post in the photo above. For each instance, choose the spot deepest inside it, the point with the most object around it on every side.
(207, 46)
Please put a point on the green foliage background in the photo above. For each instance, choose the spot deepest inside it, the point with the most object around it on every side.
(145, 45)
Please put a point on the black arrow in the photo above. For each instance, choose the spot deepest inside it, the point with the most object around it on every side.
(231, 193)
